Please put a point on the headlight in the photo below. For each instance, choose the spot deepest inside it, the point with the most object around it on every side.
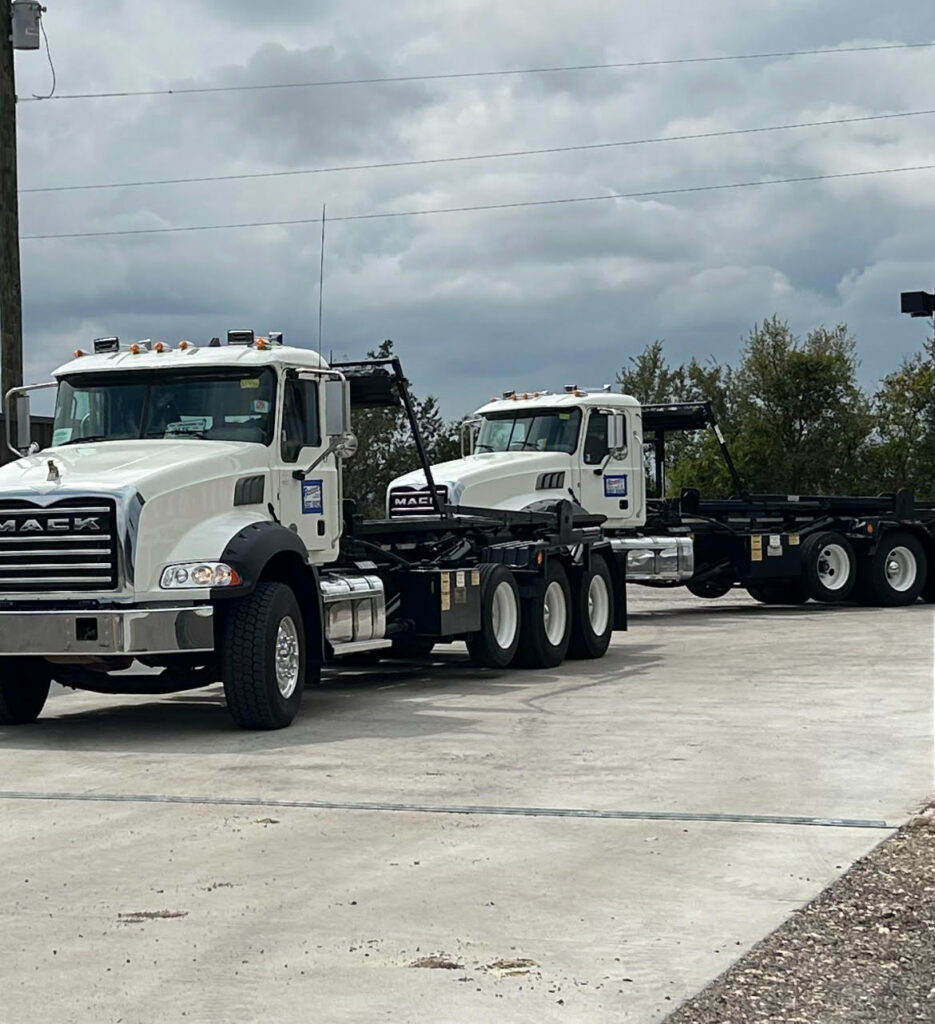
(198, 576)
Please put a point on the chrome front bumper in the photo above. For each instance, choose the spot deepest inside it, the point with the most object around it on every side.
(131, 631)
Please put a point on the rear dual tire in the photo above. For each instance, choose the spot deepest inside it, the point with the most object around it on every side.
(497, 641)
(896, 573)
(545, 634)
(592, 611)
(829, 567)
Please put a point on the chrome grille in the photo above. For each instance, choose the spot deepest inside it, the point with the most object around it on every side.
(406, 502)
(69, 545)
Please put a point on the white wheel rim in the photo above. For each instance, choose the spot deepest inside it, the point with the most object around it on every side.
(901, 569)
(834, 567)
(554, 613)
(598, 605)
(504, 617)
(287, 657)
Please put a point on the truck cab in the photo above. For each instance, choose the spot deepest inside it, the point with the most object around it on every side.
(531, 449)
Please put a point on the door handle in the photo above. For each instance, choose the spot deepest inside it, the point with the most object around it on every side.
(598, 472)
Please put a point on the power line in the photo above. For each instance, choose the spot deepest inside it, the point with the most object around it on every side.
(452, 76)
(477, 156)
(491, 206)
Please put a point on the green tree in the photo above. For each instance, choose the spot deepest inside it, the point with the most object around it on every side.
(793, 413)
(903, 454)
(802, 422)
(387, 447)
(693, 459)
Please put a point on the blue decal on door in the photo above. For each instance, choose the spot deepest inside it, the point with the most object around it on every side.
(312, 499)
(615, 486)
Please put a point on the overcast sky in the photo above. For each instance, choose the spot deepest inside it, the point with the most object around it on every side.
(478, 302)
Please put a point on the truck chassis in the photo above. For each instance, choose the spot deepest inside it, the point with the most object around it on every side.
(786, 549)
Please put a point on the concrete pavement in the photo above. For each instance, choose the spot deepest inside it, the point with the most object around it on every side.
(155, 911)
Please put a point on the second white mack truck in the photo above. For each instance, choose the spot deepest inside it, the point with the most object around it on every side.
(606, 454)
(188, 525)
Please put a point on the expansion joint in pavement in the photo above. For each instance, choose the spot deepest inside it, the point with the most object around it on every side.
(468, 809)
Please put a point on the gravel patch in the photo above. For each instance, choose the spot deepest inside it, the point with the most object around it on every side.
(862, 951)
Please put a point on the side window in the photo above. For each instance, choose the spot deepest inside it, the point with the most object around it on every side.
(300, 423)
(595, 439)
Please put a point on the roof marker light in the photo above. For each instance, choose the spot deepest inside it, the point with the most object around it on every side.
(161, 346)
(261, 343)
(79, 352)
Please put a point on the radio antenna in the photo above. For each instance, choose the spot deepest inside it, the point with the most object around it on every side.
(321, 275)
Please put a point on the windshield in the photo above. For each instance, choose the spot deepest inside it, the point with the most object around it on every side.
(546, 430)
(221, 405)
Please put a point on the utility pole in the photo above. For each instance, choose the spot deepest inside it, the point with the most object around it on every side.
(11, 299)
(19, 30)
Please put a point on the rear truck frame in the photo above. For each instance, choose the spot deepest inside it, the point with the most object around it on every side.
(297, 580)
(789, 548)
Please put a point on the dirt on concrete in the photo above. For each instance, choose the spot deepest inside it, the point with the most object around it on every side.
(863, 951)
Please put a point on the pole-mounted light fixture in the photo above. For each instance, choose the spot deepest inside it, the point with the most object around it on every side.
(917, 304)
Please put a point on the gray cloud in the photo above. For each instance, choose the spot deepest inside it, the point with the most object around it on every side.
(479, 302)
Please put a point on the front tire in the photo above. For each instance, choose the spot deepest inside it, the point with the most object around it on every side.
(24, 690)
(546, 621)
(593, 611)
(263, 659)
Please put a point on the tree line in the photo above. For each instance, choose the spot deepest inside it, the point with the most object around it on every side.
(792, 409)
(796, 417)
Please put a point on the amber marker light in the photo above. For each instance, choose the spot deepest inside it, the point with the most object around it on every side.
(184, 346)
(79, 352)
(135, 349)
(160, 346)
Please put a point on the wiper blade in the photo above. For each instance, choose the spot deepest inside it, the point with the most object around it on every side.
(86, 440)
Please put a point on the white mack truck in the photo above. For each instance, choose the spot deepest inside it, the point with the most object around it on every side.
(605, 453)
(187, 525)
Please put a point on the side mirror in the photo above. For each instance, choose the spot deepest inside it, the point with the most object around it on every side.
(470, 428)
(337, 408)
(18, 423)
(617, 434)
(338, 418)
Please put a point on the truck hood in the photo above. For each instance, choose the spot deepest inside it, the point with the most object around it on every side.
(151, 467)
(495, 479)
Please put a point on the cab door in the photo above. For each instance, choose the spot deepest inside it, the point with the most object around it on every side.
(311, 507)
(608, 482)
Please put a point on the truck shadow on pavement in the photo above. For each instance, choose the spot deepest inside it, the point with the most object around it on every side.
(392, 700)
(672, 615)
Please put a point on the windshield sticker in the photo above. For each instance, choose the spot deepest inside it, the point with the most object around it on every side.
(312, 502)
(62, 435)
(615, 486)
(259, 405)
(249, 383)
(564, 415)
